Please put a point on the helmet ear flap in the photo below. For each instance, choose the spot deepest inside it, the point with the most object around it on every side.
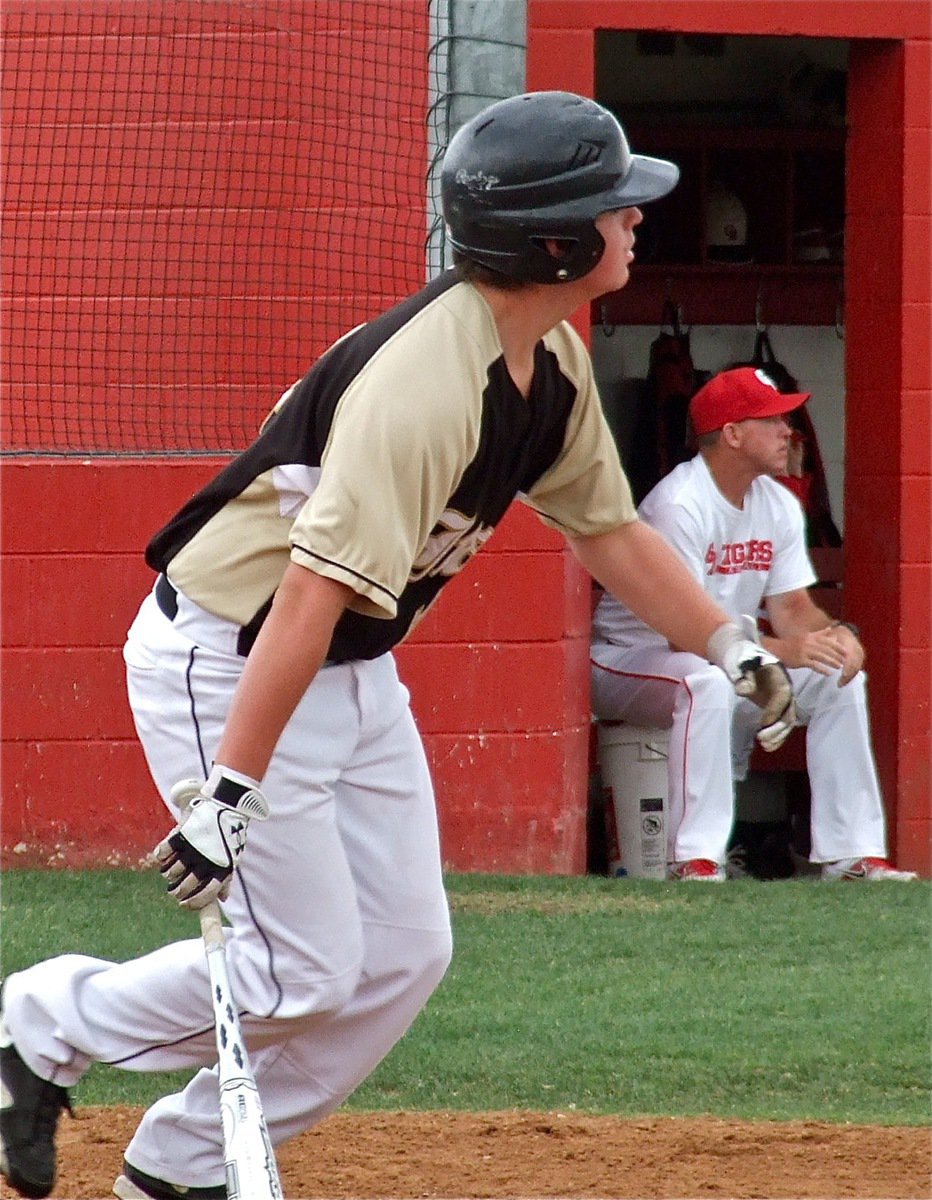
(583, 247)
(528, 257)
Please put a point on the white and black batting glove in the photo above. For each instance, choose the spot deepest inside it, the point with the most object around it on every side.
(759, 676)
(199, 856)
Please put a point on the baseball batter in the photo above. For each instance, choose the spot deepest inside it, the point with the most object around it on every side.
(742, 536)
(261, 662)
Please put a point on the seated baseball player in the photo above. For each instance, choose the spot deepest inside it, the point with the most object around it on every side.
(742, 536)
(261, 663)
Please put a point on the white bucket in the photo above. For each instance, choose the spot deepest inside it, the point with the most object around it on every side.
(633, 765)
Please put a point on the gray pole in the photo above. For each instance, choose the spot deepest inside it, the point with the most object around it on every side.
(478, 52)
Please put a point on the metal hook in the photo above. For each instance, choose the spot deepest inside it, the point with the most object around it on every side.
(759, 308)
(607, 329)
(672, 314)
(840, 311)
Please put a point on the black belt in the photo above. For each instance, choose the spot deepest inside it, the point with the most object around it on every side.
(166, 597)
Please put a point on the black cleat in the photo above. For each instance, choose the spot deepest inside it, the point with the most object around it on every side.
(134, 1184)
(29, 1111)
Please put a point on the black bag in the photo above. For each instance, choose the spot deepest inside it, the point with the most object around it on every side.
(764, 358)
(821, 529)
(661, 437)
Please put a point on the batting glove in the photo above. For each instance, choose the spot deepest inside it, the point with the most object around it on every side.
(199, 856)
(759, 676)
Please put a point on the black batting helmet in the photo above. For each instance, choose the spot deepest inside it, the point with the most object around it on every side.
(542, 165)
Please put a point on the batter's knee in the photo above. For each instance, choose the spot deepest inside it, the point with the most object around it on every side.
(320, 993)
(409, 964)
(301, 987)
(436, 951)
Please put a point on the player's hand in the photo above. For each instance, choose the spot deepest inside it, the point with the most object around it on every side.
(819, 650)
(198, 858)
(825, 651)
(757, 675)
(851, 648)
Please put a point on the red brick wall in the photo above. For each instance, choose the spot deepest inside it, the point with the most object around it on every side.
(198, 198)
(888, 458)
(75, 786)
(914, 454)
(497, 672)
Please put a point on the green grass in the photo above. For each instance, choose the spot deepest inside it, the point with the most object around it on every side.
(775, 1001)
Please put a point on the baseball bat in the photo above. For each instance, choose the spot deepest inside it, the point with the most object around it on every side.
(252, 1173)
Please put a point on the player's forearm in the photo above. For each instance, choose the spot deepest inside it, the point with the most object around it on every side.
(287, 654)
(795, 614)
(637, 566)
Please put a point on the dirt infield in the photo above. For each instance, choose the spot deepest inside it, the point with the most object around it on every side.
(375, 1156)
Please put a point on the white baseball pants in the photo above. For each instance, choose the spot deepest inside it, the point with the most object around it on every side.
(340, 928)
(712, 736)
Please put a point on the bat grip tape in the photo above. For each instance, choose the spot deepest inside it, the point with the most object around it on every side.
(211, 926)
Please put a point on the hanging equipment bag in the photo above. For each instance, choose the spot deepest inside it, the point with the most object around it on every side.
(810, 485)
(662, 440)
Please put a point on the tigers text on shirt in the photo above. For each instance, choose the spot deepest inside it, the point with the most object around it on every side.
(731, 558)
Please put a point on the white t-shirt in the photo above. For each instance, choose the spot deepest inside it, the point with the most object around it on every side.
(739, 555)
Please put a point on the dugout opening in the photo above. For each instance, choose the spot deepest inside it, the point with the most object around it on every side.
(743, 261)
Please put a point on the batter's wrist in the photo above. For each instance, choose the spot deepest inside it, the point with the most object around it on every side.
(852, 628)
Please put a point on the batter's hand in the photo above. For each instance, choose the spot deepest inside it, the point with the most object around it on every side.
(199, 856)
(757, 675)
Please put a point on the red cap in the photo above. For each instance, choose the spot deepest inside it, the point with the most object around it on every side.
(739, 394)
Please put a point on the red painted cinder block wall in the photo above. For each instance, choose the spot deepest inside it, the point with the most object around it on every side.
(138, 304)
(499, 674)
(75, 786)
(888, 514)
(497, 670)
(888, 248)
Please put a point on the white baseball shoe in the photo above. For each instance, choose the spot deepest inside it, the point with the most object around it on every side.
(868, 868)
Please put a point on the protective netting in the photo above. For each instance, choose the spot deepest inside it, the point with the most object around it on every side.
(199, 196)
